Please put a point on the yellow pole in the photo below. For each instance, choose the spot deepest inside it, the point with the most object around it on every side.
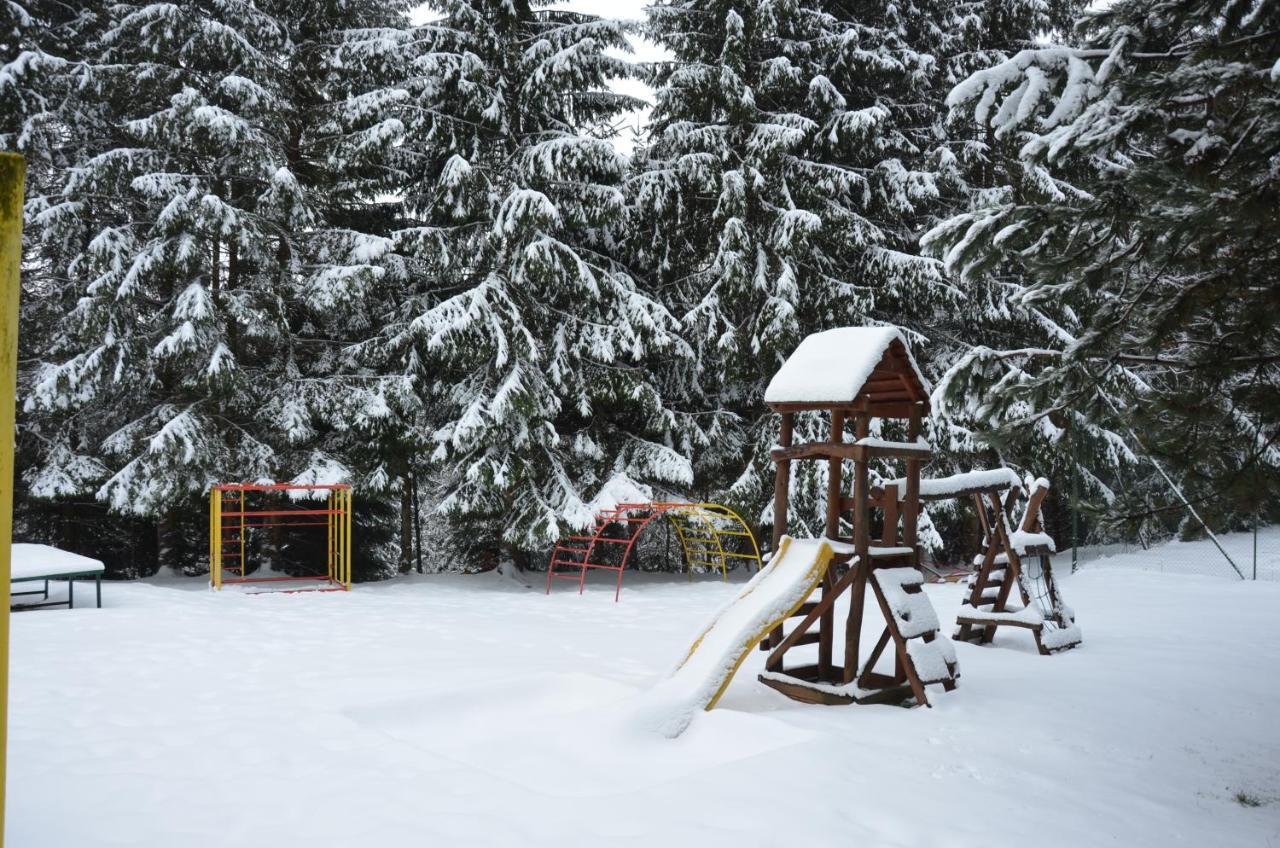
(243, 569)
(13, 171)
(346, 560)
(217, 528)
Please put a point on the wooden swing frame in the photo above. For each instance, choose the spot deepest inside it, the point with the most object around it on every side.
(1001, 569)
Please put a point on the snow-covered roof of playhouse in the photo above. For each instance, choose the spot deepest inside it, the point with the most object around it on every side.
(834, 365)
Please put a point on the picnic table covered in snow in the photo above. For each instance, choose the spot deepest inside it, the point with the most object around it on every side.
(31, 562)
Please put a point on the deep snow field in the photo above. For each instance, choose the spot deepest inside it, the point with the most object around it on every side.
(453, 711)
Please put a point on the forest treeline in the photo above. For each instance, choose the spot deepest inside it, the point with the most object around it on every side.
(319, 242)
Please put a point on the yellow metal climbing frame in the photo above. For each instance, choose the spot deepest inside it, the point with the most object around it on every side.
(707, 534)
(232, 516)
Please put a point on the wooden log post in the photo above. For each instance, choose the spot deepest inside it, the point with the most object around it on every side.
(861, 544)
(781, 497)
(835, 474)
(1013, 564)
(911, 499)
(1031, 518)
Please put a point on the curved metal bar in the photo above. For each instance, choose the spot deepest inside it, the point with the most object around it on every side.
(680, 516)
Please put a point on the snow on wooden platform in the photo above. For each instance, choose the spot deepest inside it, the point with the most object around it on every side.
(934, 488)
(471, 711)
(1021, 540)
(33, 562)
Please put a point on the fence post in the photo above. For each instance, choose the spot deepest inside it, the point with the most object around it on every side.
(1075, 503)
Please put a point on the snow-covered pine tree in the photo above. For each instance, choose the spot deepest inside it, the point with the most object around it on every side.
(159, 245)
(798, 150)
(1133, 234)
(194, 245)
(344, 124)
(537, 335)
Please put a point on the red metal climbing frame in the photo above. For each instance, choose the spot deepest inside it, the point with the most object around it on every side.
(700, 528)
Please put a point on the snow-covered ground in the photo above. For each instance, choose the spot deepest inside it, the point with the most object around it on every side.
(456, 711)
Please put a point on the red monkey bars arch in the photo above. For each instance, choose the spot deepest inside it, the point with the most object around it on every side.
(706, 533)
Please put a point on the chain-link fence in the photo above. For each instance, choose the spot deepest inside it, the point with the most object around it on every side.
(1251, 555)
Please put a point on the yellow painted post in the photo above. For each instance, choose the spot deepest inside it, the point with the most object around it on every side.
(216, 570)
(347, 558)
(13, 172)
(243, 567)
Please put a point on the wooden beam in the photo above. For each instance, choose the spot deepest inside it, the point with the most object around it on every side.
(848, 450)
(911, 503)
(835, 473)
(816, 610)
(900, 645)
(781, 496)
(797, 691)
(1031, 519)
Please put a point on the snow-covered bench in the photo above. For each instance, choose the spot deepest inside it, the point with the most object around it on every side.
(31, 563)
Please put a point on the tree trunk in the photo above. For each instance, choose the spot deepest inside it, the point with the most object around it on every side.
(406, 524)
(167, 543)
(520, 559)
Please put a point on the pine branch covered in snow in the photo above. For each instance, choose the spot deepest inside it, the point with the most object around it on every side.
(1127, 232)
(797, 152)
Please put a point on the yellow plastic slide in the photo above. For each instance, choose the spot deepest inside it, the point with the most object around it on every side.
(772, 596)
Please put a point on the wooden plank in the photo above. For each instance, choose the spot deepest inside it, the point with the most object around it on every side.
(985, 622)
(835, 474)
(869, 669)
(861, 543)
(814, 450)
(847, 450)
(887, 409)
(796, 690)
(889, 534)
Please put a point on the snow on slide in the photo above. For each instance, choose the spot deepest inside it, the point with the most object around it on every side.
(764, 602)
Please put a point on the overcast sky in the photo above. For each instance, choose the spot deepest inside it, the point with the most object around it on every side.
(645, 51)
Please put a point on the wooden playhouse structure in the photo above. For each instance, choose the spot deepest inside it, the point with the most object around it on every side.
(850, 376)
